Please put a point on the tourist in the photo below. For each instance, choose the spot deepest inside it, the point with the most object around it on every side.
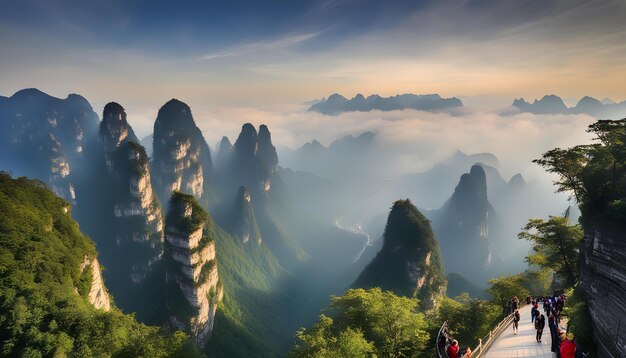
(515, 303)
(568, 347)
(516, 318)
(533, 313)
(453, 350)
(540, 323)
(552, 324)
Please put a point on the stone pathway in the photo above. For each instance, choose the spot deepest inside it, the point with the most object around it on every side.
(523, 344)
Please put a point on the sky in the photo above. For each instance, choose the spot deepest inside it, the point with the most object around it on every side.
(232, 59)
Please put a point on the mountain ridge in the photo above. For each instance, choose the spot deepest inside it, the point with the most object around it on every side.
(552, 104)
(336, 103)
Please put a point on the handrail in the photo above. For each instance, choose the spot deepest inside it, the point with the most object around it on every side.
(441, 354)
(483, 344)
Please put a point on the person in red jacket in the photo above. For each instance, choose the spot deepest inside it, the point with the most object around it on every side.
(453, 350)
(568, 347)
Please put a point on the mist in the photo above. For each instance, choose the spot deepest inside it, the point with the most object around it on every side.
(409, 140)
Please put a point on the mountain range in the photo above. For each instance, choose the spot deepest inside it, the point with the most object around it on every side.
(237, 250)
(551, 104)
(337, 103)
(231, 262)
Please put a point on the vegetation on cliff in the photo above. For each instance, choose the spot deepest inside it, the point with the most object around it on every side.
(595, 174)
(41, 310)
(409, 263)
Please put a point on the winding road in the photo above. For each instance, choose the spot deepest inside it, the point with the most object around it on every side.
(358, 230)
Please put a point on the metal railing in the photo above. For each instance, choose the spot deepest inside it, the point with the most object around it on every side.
(441, 349)
(483, 343)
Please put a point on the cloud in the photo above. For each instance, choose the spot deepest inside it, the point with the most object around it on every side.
(413, 140)
(260, 46)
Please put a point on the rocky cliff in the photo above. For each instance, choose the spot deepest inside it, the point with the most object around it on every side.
(603, 279)
(193, 287)
(114, 130)
(465, 226)
(255, 161)
(181, 157)
(409, 262)
(137, 221)
(43, 137)
(118, 208)
(96, 293)
(242, 223)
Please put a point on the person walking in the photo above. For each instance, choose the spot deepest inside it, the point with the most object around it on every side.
(568, 347)
(552, 324)
(468, 353)
(453, 350)
(540, 323)
(516, 318)
(533, 313)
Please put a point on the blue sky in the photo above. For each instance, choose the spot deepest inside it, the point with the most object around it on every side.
(280, 53)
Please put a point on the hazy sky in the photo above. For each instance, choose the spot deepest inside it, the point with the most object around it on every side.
(274, 55)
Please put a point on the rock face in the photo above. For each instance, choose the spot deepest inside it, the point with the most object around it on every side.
(43, 137)
(255, 161)
(603, 279)
(243, 222)
(181, 157)
(464, 228)
(193, 287)
(114, 130)
(97, 293)
(409, 262)
(137, 216)
(337, 103)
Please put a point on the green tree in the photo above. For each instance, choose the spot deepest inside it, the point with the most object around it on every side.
(361, 319)
(594, 174)
(391, 322)
(321, 342)
(503, 288)
(468, 318)
(554, 246)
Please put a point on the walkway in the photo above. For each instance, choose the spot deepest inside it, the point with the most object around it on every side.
(523, 344)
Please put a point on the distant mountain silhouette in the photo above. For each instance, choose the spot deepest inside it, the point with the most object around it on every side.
(146, 142)
(457, 284)
(466, 227)
(551, 104)
(337, 103)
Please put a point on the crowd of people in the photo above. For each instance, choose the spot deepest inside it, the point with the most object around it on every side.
(562, 342)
